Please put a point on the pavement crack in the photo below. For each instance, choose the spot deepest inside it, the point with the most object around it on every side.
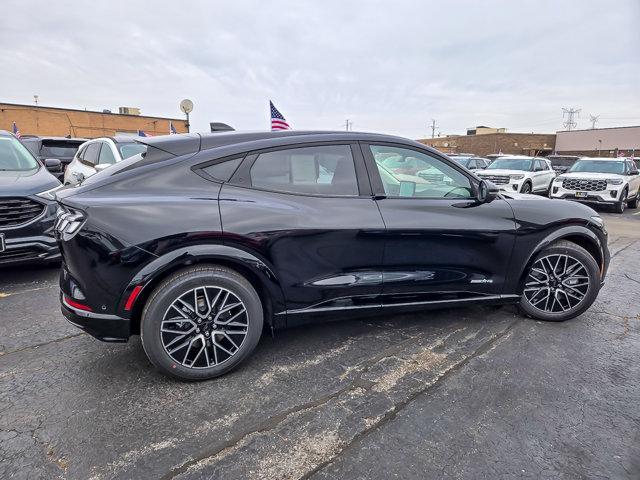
(57, 340)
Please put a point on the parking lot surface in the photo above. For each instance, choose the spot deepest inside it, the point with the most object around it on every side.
(466, 393)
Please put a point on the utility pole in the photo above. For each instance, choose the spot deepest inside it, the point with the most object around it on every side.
(348, 125)
(570, 113)
(35, 99)
(433, 128)
(593, 119)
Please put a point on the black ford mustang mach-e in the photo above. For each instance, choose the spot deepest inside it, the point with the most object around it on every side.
(203, 239)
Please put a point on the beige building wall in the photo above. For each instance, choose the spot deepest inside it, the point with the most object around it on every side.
(33, 120)
(603, 139)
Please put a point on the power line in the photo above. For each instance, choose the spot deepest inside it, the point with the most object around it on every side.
(593, 119)
(570, 113)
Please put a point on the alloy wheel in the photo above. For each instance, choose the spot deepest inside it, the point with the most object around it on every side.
(556, 283)
(204, 327)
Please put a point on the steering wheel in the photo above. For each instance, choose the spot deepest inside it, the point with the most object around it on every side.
(449, 193)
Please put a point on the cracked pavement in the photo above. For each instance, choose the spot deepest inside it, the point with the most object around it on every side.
(464, 393)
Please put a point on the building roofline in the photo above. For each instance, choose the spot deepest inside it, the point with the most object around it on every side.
(2, 104)
(597, 129)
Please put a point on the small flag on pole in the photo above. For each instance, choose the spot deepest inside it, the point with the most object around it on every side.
(277, 120)
(16, 132)
(172, 129)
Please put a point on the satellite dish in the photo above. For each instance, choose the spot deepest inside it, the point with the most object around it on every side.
(186, 105)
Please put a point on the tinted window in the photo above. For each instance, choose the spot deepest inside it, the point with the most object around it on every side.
(480, 163)
(437, 180)
(106, 155)
(325, 170)
(58, 149)
(223, 170)
(91, 153)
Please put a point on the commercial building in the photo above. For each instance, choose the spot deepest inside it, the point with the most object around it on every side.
(62, 122)
(484, 141)
(600, 142)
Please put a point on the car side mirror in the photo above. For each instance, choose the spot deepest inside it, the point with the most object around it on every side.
(487, 191)
(634, 172)
(101, 166)
(53, 164)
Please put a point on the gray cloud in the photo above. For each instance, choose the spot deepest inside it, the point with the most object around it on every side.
(388, 66)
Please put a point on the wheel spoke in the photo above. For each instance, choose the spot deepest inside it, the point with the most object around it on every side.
(180, 334)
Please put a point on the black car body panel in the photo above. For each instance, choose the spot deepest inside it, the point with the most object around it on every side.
(26, 219)
(307, 255)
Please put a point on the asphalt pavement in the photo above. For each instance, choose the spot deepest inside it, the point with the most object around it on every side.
(465, 393)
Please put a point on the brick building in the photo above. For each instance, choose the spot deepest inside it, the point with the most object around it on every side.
(541, 144)
(49, 121)
(600, 142)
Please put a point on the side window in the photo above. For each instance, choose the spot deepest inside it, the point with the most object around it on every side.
(90, 156)
(436, 180)
(106, 155)
(222, 171)
(323, 170)
(479, 163)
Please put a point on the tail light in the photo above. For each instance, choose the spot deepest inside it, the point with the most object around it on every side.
(69, 221)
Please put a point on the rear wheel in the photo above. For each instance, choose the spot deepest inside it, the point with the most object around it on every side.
(201, 322)
(561, 283)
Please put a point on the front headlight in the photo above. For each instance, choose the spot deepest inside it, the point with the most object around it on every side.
(518, 176)
(50, 194)
(614, 181)
(68, 222)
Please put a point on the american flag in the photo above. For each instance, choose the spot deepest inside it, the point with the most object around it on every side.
(16, 132)
(172, 129)
(277, 120)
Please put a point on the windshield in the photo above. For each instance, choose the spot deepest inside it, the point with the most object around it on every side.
(506, 163)
(598, 166)
(130, 149)
(464, 161)
(15, 156)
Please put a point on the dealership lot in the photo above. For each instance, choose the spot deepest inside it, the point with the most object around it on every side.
(466, 393)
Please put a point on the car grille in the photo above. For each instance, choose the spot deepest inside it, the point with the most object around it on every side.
(18, 254)
(497, 179)
(584, 185)
(17, 211)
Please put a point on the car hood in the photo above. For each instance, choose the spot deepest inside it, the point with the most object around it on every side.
(542, 210)
(13, 183)
(498, 171)
(590, 175)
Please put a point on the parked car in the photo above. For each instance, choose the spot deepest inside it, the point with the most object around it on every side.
(562, 163)
(599, 180)
(206, 238)
(60, 148)
(472, 162)
(98, 154)
(518, 173)
(27, 205)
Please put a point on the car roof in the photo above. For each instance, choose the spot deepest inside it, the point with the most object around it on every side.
(64, 139)
(612, 159)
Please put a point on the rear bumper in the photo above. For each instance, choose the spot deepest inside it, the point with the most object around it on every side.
(108, 328)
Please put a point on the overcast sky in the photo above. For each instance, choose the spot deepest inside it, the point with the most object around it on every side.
(389, 66)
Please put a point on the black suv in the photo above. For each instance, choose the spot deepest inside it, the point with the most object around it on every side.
(203, 239)
(60, 148)
(27, 205)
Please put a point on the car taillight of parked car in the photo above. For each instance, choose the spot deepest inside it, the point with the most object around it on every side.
(68, 223)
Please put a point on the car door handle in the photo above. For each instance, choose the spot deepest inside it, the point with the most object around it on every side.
(378, 197)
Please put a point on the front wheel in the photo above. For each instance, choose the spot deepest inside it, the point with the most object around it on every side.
(526, 188)
(562, 282)
(620, 206)
(201, 322)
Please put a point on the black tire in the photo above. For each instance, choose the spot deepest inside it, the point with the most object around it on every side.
(526, 187)
(173, 288)
(620, 205)
(634, 203)
(590, 265)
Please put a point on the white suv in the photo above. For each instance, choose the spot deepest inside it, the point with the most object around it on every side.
(608, 181)
(518, 173)
(99, 153)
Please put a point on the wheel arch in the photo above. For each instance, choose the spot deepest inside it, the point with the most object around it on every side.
(579, 235)
(255, 270)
